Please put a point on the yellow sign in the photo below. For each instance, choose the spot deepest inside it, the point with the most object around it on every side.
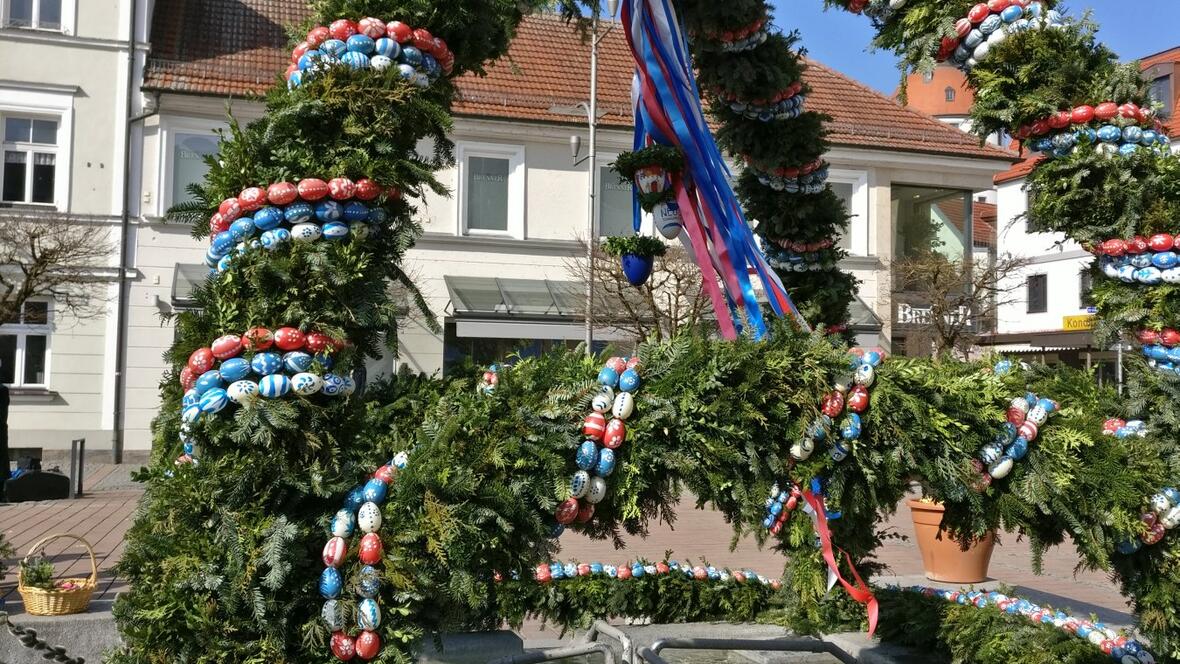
(1077, 323)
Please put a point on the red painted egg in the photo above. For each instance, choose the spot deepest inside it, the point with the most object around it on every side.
(1155, 534)
(1161, 242)
(398, 31)
(368, 644)
(188, 378)
(947, 47)
(230, 209)
(386, 473)
(594, 426)
(343, 647)
(227, 346)
(791, 503)
(833, 404)
(374, 28)
(617, 363)
(371, 549)
(252, 198)
(1112, 425)
(624, 572)
(334, 551)
(633, 363)
(616, 433)
(341, 189)
(585, 513)
(439, 48)
(367, 190)
(1149, 519)
(963, 27)
(201, 360)
(317, 36)
(1028, 430)
(497, 577)
(342, 29)
(584, 569)
(218, 224)
(259, 338)
(1129, 111)
(317, 342)
(1149, 337)
(1106, 110)
(281, 193)
(776, 528)
(567, 511)
(448, 63)
(1176, 244)
(1060, 120)
(740, 577)
(1170, 337)
(998, 6)
(299, 50)
(542, 573)
(775, 584)
(312, 189)
(289, 338)
(1113, 247)
(1138, 245)
(1040, 127)
(1016, 416)
(699, 573)
(858, 399)
(1082, 114)
(1107, 646)
(423, 40)
(662, 568)
(393, 193)
(978, 13)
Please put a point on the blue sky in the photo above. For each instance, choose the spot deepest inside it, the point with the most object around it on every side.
(1132, 28)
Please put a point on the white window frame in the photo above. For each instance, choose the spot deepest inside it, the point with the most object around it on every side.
(22, 332)
(170, 128)
(43, 105)
(69, 13)
(858, 224)
(516, 187)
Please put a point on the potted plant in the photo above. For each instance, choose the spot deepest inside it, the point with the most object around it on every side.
(944, 559)
(651, 170)
(637, 253)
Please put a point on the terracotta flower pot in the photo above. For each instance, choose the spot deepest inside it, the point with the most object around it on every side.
(943, 559)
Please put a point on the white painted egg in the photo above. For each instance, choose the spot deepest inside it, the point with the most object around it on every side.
(865, 375)
(243, 392)
(597, 490)
(624, 405)
(1037, 415)
(579, 484)
(601, 403)
(305, 232)
(799, 452)
(306, 383)
(333, 615)
(368, 517)
(348, 386)
(343, 523)
(608, 391)
(1000, 469)
(1171, 519)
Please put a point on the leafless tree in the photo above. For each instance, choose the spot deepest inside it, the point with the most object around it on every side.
(55, 256)
(951, 302)
(672, 298)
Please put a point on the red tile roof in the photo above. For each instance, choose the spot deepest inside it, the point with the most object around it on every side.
(237, 47)
(1018, 171)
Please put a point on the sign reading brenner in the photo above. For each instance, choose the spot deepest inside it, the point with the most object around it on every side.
(1077, 323)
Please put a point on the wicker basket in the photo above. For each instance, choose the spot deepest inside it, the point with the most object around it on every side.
(59, 602)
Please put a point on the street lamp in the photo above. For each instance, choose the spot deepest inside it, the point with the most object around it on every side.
(576, 147)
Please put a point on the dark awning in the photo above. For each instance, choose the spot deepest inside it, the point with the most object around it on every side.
(493, 296)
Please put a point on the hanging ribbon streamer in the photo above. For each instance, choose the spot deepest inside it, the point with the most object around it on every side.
(668, 112)
(859, 590)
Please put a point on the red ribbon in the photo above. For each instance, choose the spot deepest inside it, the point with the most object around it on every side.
(858, 591)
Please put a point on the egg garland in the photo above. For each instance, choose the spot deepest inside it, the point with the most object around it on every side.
(989, 23)
(489, 381)
(1026, 414)
(1124, 428)
(786, 104)
(808, 261)
(736, 40)
(313, 209)
(1161, 515)
(779, 507)
(809, 178)
(1121, 129)
(850, 393)
(1119, 646)
(370, 43)
(558, 571)
(596, 455)
(361, 511)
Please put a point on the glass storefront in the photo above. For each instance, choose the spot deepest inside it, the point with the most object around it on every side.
(931, 219)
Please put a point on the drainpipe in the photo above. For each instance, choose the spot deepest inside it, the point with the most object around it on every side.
(125, 234)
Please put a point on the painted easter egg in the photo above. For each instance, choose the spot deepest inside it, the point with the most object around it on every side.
(341, 188)
(606, 463)
(330, 583)
(334, 230)
(190, 398)
(585, 513)
(356, 211)
(312, 189)
(251, 199)
(858, 399)
(282, 193)
(213, 401)
(298, 213)
(289, 338)
(1028, 430)
(594, 426)
(333, 615)
(274, 386)
(833, 404)
(567, 511)
(587, 455)
(1018, 449)
(268, 218)
(865, 375)
(1016, 416)
(258, 338)
(226, 346)
(608, 377)
(343, 523)
(1036, 415)
(305, 232)
(368, 644)
(370, 549)
(188, 378)
(616, 433)
(600, 403)
(343, 646)
(368, 581)
(334, 552)
(230, 209)
(399, 32)
(201, 360)
(306, 383)
(579, 484)
(242, 392)
(374, 490)
(207, 381)
(296, 361)
(333, 385)
(618, 364)
(328, 210)
(266, 363)
(624, 406)
(242, 228)
(368, 517)
(597, 490)
(629, 380)
(1000, 469)
(991, 453)
(368, 614)
(386, 473)
(190, 414)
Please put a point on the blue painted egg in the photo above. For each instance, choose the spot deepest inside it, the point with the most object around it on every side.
(335, 230)
(333, 615)
(269, 240)
(400, 460)
(213, 400)
(555, 570)
(1089, 134)
(368, 614)
(1149, 275)
(961, 53)
(266, 363)
(1048, 405)
(637, 570)
(355, 60)
(356, 211)
(223, 242)
(333, 385)
(990, 24)
(330, 583)
(580, 484)
(587, 456)
(274, 386)
(570, 570)
(387, 47)
(309, 59)
(1156, 352)
(191, 398)
(991, 453)
(361, 44)
(629, 381)
(1172, 495)
(211, 257)
(1012, 13)
(973, 39)
(406, 71)
(296, 361)
(354, 499)
(208, 380)
(378, 216)
(1141, 260)
(324, 360)
(267, 218)
(410, 56)
(374, 491)
(328, 211)
(190, 414)
(597, 568)
(776, 508)
(189, 448)
(295, 79)
(344, 523)
(1109, 134)
(235, 368)
(334, 47)
(224, 263)
(851, 428)
(298, 212)
(368, 581)
(1164, 259)
(306, 383)
(431, 66)
(606, 462)
(1018, 449)
(838, 452)
(1128, 149)
(872, 358)
(1132, 134)
(1150, 137)
(608, 377)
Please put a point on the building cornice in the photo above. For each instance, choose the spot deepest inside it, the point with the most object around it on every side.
(51, 38)
(534, 246)
(38, 86)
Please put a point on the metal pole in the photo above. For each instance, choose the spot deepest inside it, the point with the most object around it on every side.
(592, 240)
